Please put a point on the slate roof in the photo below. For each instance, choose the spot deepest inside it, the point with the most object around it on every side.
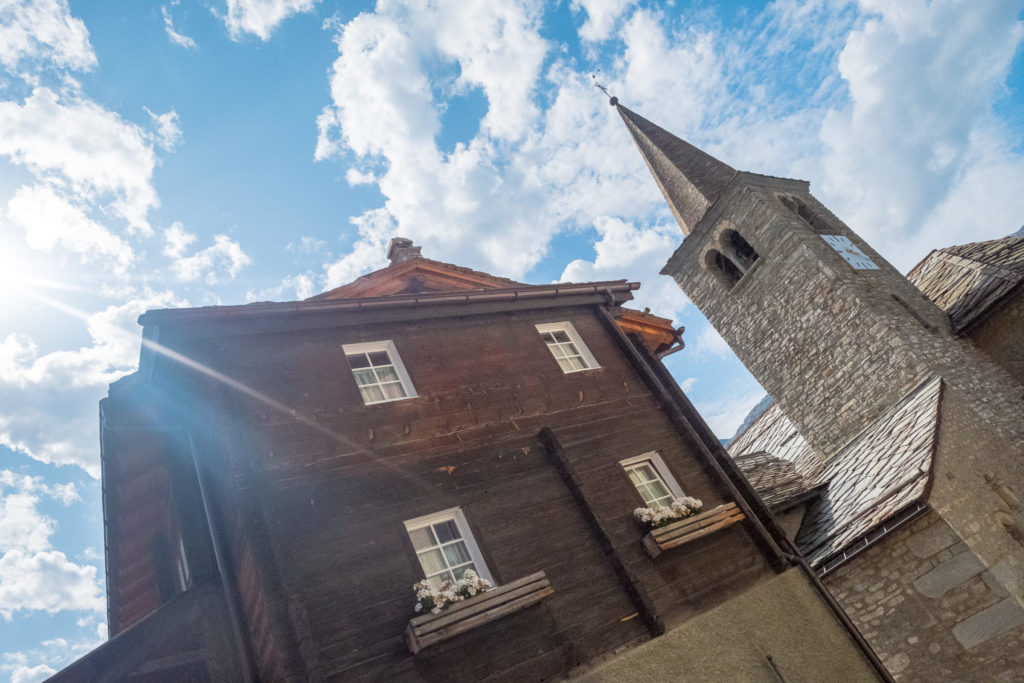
(880, 472)
(689, 178)
(968, 279)
(776, 480)
(773, 433)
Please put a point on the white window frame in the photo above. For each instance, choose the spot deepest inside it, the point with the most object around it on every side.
(574, 337)
(456, 515)
(388, 347)
(659, 467)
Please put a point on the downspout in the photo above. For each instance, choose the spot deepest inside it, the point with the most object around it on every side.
(243, 647)
(231, 593)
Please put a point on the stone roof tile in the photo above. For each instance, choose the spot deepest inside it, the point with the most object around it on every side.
(881, 471)
(968, 279)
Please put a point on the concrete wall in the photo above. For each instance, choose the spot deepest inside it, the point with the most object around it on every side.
(734, 641)
(930, 608)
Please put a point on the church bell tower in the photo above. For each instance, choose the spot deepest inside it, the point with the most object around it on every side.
(830, 328)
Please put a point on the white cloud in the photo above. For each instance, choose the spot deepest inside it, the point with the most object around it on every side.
(34, 576)
(50, 221)
(306, 245)
(261, 17)
(35, 387)
(88, 149)
(355, 177)
(167, 134)
(176, 240)
(31, 674)
(302, 286)
(909, 142)
(601, 17)
(375, 228)
(626, 251)
(43, 30)
(175, 37)
(688, 384)
(46, 581)
(225, 256)
(709, 344)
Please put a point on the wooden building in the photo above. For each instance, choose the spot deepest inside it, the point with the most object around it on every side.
(277, 476)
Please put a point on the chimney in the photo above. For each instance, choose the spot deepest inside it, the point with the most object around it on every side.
(401, 249)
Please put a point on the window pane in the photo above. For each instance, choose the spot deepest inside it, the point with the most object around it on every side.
(561, 336)
(557, 351)
(379, 358)
(565, 364)
(646, 472)
(422, 538)
(371, 394)
(577, 363)
(364, 377)
(393, 390)
(457, 553)
(387, 374)
(358, 360)
(634, 476)
(447, 531)
(570, 349)
(548, 337)
(432, 561)
(658, 489)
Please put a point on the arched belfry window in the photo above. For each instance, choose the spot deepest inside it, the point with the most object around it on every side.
(817, 222)
(742, 252)
(727, 272)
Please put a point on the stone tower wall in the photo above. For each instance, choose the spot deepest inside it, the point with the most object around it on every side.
(1001, 335)
(834, 345)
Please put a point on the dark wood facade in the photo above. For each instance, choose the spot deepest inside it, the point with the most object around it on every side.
(245, 433)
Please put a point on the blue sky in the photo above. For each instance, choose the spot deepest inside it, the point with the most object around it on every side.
(211, 152)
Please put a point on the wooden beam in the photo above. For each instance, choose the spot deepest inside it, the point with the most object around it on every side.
(637, 593)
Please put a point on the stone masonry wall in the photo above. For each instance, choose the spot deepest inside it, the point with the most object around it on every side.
(1001, 335)
(930, 609)
(835, 346)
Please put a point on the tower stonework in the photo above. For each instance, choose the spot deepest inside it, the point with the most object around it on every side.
(844, 343)
(835, 341)
(829, 327)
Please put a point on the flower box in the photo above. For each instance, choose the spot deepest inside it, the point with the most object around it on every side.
(427, 629)
(690, 529)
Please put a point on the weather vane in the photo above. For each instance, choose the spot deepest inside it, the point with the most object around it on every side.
(612, 100)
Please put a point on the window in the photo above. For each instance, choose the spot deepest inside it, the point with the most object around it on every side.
(445, 547)
(727, 272)
(566, 346)
(379, 372)
(652, 479)
(741, 249)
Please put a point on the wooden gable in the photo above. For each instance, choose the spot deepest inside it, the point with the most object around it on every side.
(416, 275)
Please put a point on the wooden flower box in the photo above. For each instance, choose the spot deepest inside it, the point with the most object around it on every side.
(427, 629)
(691, 528)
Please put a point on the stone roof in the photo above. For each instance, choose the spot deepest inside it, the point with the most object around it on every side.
(968, 279)
(690, 178)
(880, 472)
(773, 433)
(776, 480)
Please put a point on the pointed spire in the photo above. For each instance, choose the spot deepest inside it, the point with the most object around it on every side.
(690, 179)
